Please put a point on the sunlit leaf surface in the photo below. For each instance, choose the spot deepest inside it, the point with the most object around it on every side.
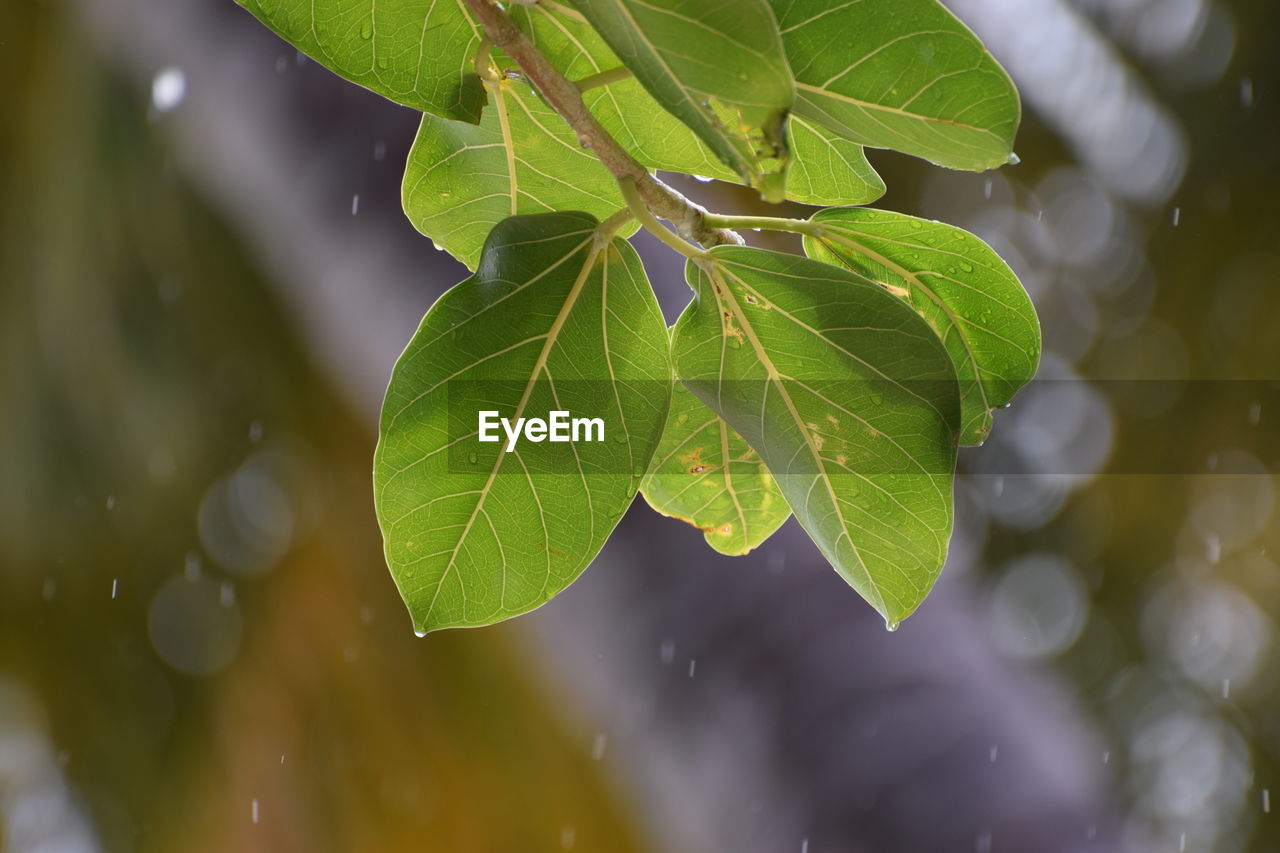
(718, 66)
(462, 179)
(705, 474)
(415, 52)
(850, 399)
(556, 318)
(900, 74)
(963, 289)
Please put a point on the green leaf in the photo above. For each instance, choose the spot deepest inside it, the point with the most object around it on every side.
(705, 474)
(462, 179)
(718, 66)
(968, 295)
(624, 109)
(850, 399)
(416, 52)
(557, 318)
(900, 74)
(825, 169)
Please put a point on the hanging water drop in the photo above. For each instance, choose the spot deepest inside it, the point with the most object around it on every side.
(891, 626)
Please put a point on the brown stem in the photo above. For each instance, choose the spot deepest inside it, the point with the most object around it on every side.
(565, 98)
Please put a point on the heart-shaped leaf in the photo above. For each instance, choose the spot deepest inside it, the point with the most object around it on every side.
(959, 285)
(558, 318)
(849, 398)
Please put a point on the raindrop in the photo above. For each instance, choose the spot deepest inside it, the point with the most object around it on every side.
(804, 845)
(379, 151)
(966, 267)
(282, 64)
(419, 633)
(168, 88)
(191, 566)
(667, 651)
(983, 843)
(1106, 756)
(599, 745)
(115, 587)
(681, 418)
(366, 30)
(986, 189)
(1213, 548)
(355, 204)
(1246, 91)
(703, 179)
(437, 246)
(1177, 216)
(253, 811)
(693, 666)
(568, 836)
(472, 458)
(891, 626)
(916, 224)
(991, 756)
(1226, 688)
(1255, 414)
(49, 590)
(111, 502)
(227, 594)
(255, 432)
(1266, 801)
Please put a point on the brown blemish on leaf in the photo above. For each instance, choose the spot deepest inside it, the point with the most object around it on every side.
(693, 462)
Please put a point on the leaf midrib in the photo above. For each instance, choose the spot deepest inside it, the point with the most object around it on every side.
(775, 378)
(538, 367)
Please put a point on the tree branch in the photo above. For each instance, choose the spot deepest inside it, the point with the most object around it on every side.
(565, 98)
